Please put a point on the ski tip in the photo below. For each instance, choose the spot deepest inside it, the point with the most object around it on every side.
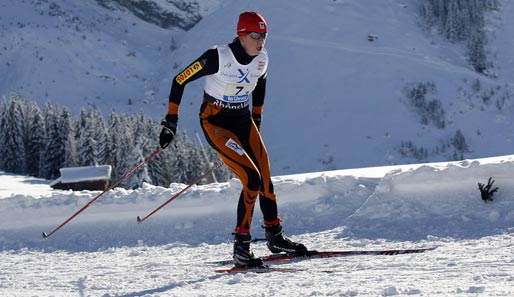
(139, 219)
(45, 235)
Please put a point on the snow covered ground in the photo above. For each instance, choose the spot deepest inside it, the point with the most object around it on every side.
(105, 252)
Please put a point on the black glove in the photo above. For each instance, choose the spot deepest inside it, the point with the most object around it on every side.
(168, 131)
(485, 190)
(257, 119)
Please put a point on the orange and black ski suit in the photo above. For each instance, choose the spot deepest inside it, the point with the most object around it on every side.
(234, 136)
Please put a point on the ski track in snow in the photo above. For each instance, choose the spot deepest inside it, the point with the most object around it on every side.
(455, 268)
(402, 55)
(105, 252)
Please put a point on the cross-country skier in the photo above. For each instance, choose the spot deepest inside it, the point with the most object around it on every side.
(232, 73)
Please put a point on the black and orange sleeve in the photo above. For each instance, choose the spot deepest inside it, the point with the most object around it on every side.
(206, 64)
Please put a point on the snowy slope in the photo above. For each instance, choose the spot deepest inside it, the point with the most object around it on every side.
(334, 99)
(105, 252)
(78, 53)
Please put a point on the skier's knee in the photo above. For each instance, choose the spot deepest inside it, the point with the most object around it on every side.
(254, 181)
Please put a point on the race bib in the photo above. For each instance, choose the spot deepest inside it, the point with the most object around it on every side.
(236, 93)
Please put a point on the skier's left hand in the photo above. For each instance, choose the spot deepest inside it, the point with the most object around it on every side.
(168, 131)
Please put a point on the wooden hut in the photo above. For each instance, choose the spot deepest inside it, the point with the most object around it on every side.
(83, 178)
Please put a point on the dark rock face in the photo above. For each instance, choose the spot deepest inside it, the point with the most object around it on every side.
(182, 14)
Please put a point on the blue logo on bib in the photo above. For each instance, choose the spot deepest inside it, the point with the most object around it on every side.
(243, 76)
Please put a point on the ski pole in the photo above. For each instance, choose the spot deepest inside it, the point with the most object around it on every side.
(140, 220)
(128, 174)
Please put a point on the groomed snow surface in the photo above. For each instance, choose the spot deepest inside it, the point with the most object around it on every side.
(105, 252)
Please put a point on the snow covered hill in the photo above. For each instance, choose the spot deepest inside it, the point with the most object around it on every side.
(105, 252)
(335, 99)
(88, 53)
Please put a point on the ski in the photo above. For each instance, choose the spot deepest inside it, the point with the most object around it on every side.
(331, 254)
(258, 269)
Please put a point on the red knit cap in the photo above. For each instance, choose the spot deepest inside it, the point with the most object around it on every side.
(250, 21)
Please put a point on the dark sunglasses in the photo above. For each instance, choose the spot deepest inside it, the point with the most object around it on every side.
(257, 35)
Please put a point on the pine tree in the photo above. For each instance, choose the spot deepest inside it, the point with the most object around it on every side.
(458, 141)
(126, 145)
(3, 122)
(141, 176)
(427, 12)
(114, 140)
(476, 51)
(159, 168)
(54, 152)
(87, 144)
(40, 143)
(67, 133)
(451, 27)
(13, 134)
(180, 169)
(223, 174)
(442, 12)
(198, 164)
(101, 137)
(138, 154)
(36, 140)
(461, 20)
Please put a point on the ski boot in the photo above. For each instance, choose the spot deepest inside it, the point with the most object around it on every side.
(278, 243)
(243, 257)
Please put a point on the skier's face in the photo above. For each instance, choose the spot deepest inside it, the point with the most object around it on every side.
(252, 43)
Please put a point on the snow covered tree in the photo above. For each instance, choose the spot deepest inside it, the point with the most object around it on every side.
(3, 123)
(223, 174)
(476, 51)
(188, 163)
(430, 111)
(124, 143)
(68, 134)
(36, 139)
(139, 152)
(461, 21)
(458, 141)
(140, 176)
(101, 137)
(40, 143)
(54, 151)
(428, 14)
(114, 139)
(12, 136)
(198, 165)
(87, 144)
(159, 168)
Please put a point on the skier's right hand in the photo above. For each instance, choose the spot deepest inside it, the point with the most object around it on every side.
(168, 131)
